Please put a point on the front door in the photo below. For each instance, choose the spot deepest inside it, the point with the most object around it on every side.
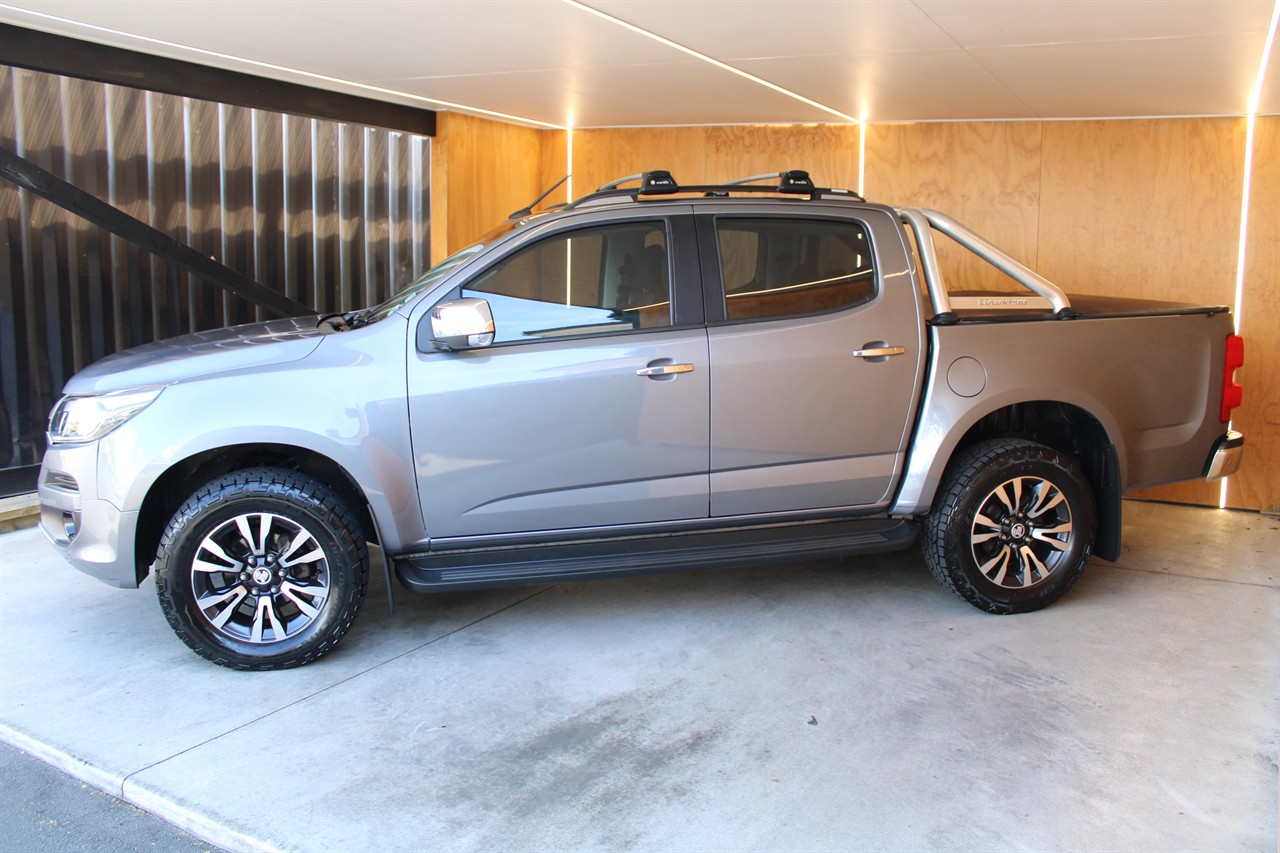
(591, 406)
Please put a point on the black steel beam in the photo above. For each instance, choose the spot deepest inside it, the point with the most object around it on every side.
(70, 197)
(70, 57)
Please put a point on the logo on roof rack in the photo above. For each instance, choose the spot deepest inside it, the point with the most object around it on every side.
(658, 182)
(795, 181)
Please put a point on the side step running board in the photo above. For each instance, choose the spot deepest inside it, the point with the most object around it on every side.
(717, 549)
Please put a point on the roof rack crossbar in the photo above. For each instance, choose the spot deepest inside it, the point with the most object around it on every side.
(660, 182)
(754, 178)
(653, 182)
(613, 185)
(794, 181)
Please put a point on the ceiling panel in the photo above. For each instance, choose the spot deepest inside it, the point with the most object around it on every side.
(377, 38)
(732, 30)
(1269, 102)
(936, 85)
(547, 60)
(1116, 79)
(622, 96)
(1012, 23)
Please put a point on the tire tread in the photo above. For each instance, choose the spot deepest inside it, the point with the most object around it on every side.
(258, 483)
(956, 483)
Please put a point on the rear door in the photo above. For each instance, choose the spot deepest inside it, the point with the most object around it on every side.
(817, 352)
(591, 407)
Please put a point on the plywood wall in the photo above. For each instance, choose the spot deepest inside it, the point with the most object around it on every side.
(1257, 486)
(481, 171)
(1140, 208)
(986, 174)
(716, 154)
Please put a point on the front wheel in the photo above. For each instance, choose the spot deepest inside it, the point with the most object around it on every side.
(262, 569)
(1012, 526)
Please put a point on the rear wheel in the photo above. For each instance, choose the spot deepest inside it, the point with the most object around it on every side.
(262, 569)
(1012, 526)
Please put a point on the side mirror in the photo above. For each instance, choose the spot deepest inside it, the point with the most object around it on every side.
(460, 324)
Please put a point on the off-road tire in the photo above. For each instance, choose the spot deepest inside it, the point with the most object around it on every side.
(959, 541)
(313, 588)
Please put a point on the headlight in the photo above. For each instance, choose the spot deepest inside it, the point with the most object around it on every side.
(79, 419)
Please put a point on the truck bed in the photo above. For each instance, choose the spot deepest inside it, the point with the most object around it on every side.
(994, 306)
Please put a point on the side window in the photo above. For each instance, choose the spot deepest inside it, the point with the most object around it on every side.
(785, 267)
(593, 281)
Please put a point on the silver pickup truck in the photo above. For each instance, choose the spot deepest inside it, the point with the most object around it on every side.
(651, 378)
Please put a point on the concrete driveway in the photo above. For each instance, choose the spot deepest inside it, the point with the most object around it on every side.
(820, 706)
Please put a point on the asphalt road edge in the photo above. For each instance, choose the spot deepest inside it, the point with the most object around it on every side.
(137, 794)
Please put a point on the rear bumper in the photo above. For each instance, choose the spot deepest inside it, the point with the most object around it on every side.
(1225, 457)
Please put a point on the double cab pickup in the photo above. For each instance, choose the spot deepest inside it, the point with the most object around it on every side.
(652, 378)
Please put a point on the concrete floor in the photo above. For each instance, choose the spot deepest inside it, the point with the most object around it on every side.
(830, 705)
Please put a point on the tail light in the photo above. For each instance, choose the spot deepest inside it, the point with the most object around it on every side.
(1232, 393)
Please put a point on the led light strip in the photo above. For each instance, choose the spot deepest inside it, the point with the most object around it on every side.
(568, 160)
(717, 63)
(862, 156)
(311, 75)
(1250, 123)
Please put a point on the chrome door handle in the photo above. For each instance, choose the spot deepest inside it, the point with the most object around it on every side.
(664, 370)
(877, 352)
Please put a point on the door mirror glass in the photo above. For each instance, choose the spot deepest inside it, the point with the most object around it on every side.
(459, 324)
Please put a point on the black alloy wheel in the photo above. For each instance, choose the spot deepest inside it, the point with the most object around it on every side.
(1012, 526)
(263, 568)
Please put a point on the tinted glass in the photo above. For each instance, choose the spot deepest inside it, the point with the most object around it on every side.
(593, 281)
(785, 267)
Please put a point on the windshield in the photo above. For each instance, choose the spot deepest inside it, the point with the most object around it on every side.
(433, 276)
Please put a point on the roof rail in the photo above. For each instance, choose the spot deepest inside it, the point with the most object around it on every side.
(794, 181)
(660, 182)
(657, 182)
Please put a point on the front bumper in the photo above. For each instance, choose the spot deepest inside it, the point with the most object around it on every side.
(1225, 457)
(93, 535)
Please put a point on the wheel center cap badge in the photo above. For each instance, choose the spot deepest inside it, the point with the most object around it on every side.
(262, 577)
(1018, 531)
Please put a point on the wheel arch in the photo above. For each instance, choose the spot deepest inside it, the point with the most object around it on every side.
(1066, 427)
(181, 479)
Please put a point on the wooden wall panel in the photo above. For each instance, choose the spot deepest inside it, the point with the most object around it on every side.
(1149, 209)
(554, 166)
(439, 188)
(1146, 208)
(481, 171)
(712, 154)
(603, 156)
(829, 153)
(1257, 486)
(985, 174)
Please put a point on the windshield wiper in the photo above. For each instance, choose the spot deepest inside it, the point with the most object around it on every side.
(340, 322)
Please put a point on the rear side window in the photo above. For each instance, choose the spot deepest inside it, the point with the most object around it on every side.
(787, 267)
(602, 280)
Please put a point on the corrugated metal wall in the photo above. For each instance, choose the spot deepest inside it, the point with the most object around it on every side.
(332, 215)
